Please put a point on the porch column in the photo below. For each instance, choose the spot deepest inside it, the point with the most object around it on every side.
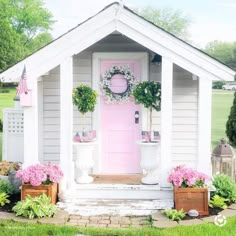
(166, 119)
(66, 123)
(31, 126)
(204, 125)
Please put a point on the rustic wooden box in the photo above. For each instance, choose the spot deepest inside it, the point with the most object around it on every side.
(33, 191)
(191, 198)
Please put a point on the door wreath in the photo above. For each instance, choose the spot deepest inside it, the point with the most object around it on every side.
(108, 94)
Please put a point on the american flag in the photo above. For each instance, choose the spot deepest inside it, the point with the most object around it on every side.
(22, 86)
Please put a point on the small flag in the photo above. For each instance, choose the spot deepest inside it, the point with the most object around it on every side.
(22, 86)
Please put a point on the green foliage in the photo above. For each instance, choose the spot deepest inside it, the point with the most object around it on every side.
(1, 125)
(218, 202)
(173, 21)
(6, 187)
(173, 214)
(4, 199)
(4, 91)
(36, 207)
(225, 187)
(231, 123)
(84, 98)
(22, 23)
(148, 93)
(217, 84)
(223, 51)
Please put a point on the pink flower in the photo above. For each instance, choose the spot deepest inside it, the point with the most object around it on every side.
(186, 177)
(38, 174)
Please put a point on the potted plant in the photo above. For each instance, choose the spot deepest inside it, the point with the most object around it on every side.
(148, 93)
(40, 178)
(190, 190)
(85, 99)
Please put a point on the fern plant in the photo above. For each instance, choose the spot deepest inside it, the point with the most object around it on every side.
(35, 207)
(218, 202)
(173, 214)
(4, 199)
(6, 187)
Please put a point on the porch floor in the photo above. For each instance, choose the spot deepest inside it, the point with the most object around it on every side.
(131, 179)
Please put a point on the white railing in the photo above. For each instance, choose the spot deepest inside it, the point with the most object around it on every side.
(13, 135)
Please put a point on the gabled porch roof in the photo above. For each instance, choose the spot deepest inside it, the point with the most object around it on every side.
(112, 18)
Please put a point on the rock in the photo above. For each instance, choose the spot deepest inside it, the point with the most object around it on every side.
(16, 182)
(193, 213)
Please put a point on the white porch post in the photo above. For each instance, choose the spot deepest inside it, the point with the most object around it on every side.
(166, 119)
(66, 123)
(204, 125)
(31, 126)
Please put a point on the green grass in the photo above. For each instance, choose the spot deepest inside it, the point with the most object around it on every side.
(28, 229)
(6, 99)
(221, 103)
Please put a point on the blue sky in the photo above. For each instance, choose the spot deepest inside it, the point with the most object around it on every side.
(211, 19)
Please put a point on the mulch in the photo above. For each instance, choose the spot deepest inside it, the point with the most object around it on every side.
(212, 212)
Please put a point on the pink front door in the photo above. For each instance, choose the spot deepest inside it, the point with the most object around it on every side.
(120, 153)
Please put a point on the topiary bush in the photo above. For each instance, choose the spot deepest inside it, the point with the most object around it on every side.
(231, 124)
(225, 187)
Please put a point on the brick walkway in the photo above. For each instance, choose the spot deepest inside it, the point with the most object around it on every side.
(156, 220)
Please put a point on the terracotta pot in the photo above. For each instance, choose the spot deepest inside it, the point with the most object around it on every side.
(33, 191)
(191, 198)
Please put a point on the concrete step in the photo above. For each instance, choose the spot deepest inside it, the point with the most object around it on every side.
(93, 207)
(116, 191)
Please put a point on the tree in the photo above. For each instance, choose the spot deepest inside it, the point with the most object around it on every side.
(223, 51)
(173, 21)
(231, 124)
(24, 28)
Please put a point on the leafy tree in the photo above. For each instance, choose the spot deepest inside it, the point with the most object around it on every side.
(231, 124)
(24, 28)
(223, 51)
(173, 21)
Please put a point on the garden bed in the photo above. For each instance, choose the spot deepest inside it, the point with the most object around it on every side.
(14, 198)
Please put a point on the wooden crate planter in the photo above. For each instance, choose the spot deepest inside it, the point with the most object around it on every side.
(191, 198)
(33, 191)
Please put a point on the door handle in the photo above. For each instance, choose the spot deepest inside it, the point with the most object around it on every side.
(136, 117)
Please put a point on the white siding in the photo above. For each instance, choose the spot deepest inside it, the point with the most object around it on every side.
(51, 115)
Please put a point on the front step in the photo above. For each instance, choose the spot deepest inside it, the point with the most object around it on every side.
(117, 191)
(113, 207)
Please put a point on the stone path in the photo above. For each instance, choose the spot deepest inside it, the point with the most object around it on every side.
(156, 220)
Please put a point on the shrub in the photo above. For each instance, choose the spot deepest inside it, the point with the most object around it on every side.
(217, 84)
(218, 202)
(6, 187)
(4, 91)
(6, 166)
(173, 214)
(1, 125)
(231, 124)
(36, 207)
(225, 187)
(4, 199)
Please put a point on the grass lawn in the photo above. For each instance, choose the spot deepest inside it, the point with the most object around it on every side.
(27, 229)
(221, 103)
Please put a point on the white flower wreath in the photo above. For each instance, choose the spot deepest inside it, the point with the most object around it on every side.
(111, 97)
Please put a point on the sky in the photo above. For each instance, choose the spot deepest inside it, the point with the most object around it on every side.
(211, 19)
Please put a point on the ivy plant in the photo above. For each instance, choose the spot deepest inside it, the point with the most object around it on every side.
(148, 93)
(35, 207)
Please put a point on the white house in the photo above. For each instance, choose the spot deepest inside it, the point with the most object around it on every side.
(118, 36)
